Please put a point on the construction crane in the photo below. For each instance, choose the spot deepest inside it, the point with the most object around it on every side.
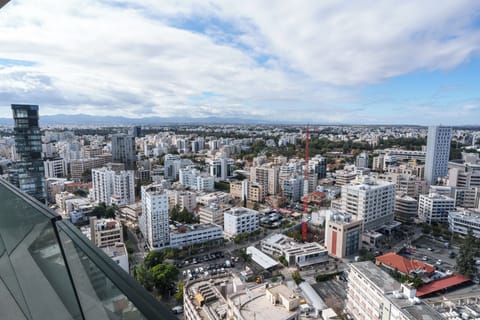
(306, 182)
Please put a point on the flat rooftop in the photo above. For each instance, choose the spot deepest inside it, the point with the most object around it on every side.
(255, 305)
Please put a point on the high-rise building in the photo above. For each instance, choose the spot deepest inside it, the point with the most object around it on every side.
(113, 187)
(28, 173)
(370, 200)
(123, 150)
(438, 153)
(362, 160)
(154, 220)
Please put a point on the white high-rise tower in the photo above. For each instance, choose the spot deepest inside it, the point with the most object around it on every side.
(438, 153)
(154, 221)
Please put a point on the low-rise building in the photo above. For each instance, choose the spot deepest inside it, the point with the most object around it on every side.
(297, 254)
(187, 235)
(119, 254)
(462, 220)
(213, 214)
(105, 232)
(240, 220)
(183, 199)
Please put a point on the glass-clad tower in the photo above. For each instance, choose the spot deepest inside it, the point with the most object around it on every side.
(50, 270)
(28, 174)
(438, 153)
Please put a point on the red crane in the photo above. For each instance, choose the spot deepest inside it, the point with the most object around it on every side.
(305, 198)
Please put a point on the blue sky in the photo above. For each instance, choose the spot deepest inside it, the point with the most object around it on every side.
(364, 62)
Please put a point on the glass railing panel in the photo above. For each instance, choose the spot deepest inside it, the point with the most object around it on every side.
(32, 268)
(105, 291)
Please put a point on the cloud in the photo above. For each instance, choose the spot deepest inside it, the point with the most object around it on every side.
(294, 60)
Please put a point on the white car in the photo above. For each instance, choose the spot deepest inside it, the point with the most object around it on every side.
(425, 258)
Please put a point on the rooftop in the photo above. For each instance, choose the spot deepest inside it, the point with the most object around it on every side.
(403, 264)
(261, 258)
(441, 284)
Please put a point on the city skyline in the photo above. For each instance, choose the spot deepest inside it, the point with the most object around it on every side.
(407, 63)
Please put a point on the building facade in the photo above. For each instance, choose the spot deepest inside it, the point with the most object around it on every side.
(435, 208)
(154, 220)
(240, 220)
(123, 150)
(370, 200)
(29, 172)
(438, 153)
(343, 235)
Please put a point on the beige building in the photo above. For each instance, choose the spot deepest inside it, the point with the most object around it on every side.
(343, 235)
(78, 167)
(267, 177)
(105, 232)
(213, 214)
(183, 199)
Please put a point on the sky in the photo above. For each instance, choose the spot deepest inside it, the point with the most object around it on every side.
(322, 62)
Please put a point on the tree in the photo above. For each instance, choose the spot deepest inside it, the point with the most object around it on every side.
(469, 249)
(110, 212)
(297, 277)
(283, 261)
(164, 275)
(99, 211)
(153, 258)
(144, 276)
(179, 293)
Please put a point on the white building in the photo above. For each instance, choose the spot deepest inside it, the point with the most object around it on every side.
(362, 160)
(221, 168)
(297, 254)
(373, 294)
(195, 180)
(293, 188)
(154, 220)
(172, 164)
(438, 153)
(193, 234)
(461, 220)
(435, 207)
(370, 200)
(240, 220)
(113, 187)
(119, 254)
(55, 168)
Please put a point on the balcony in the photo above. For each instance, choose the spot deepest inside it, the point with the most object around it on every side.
(49, 270)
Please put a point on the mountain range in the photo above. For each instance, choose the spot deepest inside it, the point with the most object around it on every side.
(82, 119)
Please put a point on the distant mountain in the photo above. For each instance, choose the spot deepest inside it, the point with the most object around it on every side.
(83, 119)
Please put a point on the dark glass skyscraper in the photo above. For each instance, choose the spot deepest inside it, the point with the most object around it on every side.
(123, 150)
(28, 173)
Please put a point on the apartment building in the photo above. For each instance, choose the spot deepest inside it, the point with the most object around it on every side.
(182, 199)
(154, 220)
(111, 187)
(105, 232)
(195, 180)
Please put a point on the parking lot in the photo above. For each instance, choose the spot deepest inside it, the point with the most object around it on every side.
(435, 252)
(206, 265)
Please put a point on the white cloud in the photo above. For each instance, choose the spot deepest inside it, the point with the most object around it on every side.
(128, 57)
